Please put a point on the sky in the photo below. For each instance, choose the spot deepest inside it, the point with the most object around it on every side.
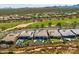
(29, 5)
(35, 3)
(25, 5)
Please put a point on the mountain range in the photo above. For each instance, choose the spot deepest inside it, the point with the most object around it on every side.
(66, 6)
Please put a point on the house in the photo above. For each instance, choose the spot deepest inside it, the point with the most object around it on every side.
(41, 34)
(54, 34)
(3, 34)
(25, 35)
(9, 40)
(75, 31)
(67, 33)
(24, 38)
(1, 17)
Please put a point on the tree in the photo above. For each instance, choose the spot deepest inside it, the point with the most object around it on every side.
(49, 24)
(10, 52)
(2, 42)
(9, 43)
(42, 25)
(58, 25)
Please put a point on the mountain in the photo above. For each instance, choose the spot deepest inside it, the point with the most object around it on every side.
(75, 6)
(66, 6)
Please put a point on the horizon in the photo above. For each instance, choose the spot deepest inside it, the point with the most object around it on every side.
(31, 5)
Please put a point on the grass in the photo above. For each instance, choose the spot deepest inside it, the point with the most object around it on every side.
(7, 25)
(69, 21)
(56, 40)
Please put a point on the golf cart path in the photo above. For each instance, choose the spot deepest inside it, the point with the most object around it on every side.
(19, 26)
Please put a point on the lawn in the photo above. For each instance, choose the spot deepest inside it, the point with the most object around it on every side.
(68, 21)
